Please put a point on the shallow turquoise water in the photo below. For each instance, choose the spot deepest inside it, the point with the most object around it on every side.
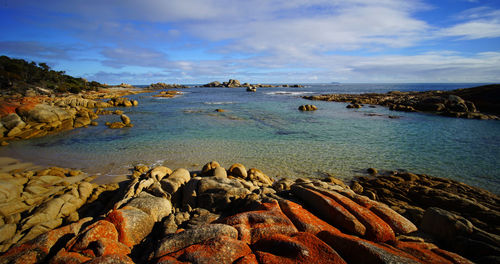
(265, 130)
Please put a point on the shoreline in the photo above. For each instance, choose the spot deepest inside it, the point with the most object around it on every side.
(176, 206)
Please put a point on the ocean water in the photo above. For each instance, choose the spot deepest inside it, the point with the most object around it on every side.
(266, 131)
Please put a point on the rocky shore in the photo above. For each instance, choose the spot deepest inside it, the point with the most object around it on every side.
(218, 215)
(27, 117)
(235, 83)
(474, 103)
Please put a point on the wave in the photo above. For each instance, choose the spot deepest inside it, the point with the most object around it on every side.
(288, 93)
(218, 103)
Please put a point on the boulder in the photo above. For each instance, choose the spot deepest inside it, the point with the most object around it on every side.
(12, 121)
(221, 249)
(308, 108)
(216, 194)
(158, 172)
(445, 226)
(125, 119)
(267, 220)
(297, 248)
(175, 180)
(101, 229)
(155, 207)
(177, 241)
(303, 219)
(238, 170)
(209, 168)
(258, 175)
(331, 211)
(132, 224)
(376, 229)
(220, 172)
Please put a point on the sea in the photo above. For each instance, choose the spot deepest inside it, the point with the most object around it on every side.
(265, 130)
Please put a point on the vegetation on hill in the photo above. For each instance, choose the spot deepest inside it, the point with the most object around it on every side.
(18, 76)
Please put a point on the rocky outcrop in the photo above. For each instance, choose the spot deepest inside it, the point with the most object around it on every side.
(446, 103)
(165, 216)
(459, 217)
(308, 108)
(160, 85)
(39, 116)
(168, 94)
(235, 83)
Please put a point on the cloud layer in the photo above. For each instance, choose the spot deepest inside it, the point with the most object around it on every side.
(265, 41)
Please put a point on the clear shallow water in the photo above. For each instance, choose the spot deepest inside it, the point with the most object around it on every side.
(265, 130)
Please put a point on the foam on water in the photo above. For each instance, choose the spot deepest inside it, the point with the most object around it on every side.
(269, 133)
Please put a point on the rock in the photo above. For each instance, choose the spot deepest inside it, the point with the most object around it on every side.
(112, 258)
(132, 224)
(101, 229)
(238, 170)
(297, 248)
(221, 249)
(43, 113)
(303, 219)
(12, 121)
(115, 125)
(155, 207)
(308, 108)
(330, 210)
(94, 123)
(251, 89)
(65, 257)
(125, 119)
(356, 187)
(7, 231)
(82, 121)
(158, 172)
(175, 180)
(220, 110)
(372, 171)
(376, 229)
(220, 172)
(177, 241)
(398, 223)
(2, 130)
(356, 250)
(213, 84)
(37, 250)
(353, 105)
(258, 175)
(445, 226)
(267, 220)
(216, 194)
(209, 168)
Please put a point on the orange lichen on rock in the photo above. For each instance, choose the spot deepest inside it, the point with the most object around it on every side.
(303, 219)
(254, 225)
(299, 248)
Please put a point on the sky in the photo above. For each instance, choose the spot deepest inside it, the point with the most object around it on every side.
(258, 41)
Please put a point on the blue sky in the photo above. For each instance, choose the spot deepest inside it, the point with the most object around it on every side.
(258, 41)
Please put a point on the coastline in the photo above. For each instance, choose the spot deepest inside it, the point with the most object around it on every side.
(159, 214)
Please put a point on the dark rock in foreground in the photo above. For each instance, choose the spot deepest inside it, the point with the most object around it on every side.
(474, 103)
(235, 216)
(459, 217)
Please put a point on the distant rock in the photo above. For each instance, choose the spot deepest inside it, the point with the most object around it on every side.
(161, 85)
(308, 108)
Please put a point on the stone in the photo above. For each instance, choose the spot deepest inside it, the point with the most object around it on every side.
(297, 248)
(372, 171)
(111, 259)
(258, 175)
(303, 219)
(36, 251)
(13, 121)
(101, 229)
(175, 180)
(238, 170)
(155, 207)
(216, 194)
(7, 231)
(125, 119)
(65, 257)
(308, 108)
(445, 226)
(221, 249)
(331, 211)
(376, 229)
(209, 168)
(178, 241)
(132, 224)
(158, 172)
(357, 250)
(115, 125)
(267, 220)
(398, 223)
(220, 172)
